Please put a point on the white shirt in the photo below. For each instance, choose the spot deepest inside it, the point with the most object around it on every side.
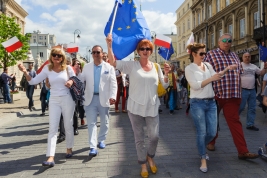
(57, 80)
(143, 97)
(248, 77)
(195, 76)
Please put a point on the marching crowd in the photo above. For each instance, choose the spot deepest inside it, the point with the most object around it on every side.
(215, 80)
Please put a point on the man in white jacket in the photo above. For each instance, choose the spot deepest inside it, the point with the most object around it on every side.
(100, 93)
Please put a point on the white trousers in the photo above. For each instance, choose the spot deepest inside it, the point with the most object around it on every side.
(58, 105)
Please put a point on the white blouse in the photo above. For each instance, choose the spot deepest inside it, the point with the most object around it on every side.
(57, 80)
(143, 97)
(195, 76)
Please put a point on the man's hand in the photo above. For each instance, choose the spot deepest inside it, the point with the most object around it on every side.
(22, 68)
(112, 101)
(109, 40)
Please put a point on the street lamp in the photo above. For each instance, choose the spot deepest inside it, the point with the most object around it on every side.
(77, 31)
(154, 38)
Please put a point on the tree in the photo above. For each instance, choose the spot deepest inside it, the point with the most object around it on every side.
(8, 29)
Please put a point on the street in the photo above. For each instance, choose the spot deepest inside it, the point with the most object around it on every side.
(23, 137)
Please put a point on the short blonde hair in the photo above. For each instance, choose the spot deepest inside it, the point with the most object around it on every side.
(63, 62)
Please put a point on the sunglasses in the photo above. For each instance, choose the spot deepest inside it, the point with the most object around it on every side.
(227, 40)
(78, 64)
(202, 53)
(58, 55)
(95, 52)
(143, 49)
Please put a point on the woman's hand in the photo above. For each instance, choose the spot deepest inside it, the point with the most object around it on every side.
(22, 68)
(109, 40)
(167, 68)
(216, 77)
(69, 83)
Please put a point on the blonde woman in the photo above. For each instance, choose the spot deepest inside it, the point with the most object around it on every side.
(60, 101)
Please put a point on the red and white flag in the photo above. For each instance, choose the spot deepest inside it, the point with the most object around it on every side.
(162, 40)
(12, 44)
(191, 39)
(72, 48)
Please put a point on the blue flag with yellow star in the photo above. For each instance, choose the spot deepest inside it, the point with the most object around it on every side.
(165, 52)
(130, 27)
(263, 53)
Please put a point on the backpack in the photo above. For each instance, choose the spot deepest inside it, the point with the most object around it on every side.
(184, 82)
(1, 81)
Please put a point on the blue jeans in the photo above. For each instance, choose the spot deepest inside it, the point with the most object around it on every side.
(7, 97)
(29, 94)
(249, 96)
(204, 114)
(92, 110)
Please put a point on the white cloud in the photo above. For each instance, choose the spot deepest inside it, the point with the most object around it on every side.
(89, 17)
(48, 17)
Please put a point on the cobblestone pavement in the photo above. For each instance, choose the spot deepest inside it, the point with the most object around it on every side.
(23, 138)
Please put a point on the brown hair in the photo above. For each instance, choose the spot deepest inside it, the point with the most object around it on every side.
(63, 62)
(76, 61)
(194, 47)
(145, 42)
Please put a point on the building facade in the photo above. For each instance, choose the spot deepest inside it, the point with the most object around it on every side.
(184, 27)
(12, 9)
(212, 18)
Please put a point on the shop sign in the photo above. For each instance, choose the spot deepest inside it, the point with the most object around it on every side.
(242, 51)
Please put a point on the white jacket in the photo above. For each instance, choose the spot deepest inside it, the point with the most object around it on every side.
(107, 85)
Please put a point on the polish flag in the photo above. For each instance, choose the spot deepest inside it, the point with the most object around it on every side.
(12, 44)
(162, 40)
(72, 48)
(42, 66)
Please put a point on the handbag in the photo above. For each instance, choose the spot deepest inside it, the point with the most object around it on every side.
(77, 89)
(161, 89)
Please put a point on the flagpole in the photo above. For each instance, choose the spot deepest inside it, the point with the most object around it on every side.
(114, 15)
(167, 55)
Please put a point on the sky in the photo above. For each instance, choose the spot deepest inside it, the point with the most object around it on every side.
(63, 17)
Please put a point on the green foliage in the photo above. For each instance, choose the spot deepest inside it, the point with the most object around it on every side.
(8, 29)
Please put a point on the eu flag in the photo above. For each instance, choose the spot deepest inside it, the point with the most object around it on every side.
(263, 53)
(166, 52)
(130, 27)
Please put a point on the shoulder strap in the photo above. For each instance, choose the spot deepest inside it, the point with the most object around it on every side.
(156, 66)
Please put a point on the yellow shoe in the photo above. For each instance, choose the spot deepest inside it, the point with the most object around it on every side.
(144, 174)
(154, 169)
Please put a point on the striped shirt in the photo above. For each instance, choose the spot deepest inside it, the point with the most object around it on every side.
(229, 85)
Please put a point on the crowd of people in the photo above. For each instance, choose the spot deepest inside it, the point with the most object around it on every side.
(215, 80)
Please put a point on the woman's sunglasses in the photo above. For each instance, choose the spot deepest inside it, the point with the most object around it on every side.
(58, 55)
(143, 49)
(95, 52)
(227, 40)
(202, 53)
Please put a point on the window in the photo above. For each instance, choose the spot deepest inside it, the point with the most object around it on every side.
(45, 43)
(218, 7)
(242, 28)
(45, 37)
(179, 48)
(179, 31)
(198, 18)
(203, 15)
(209, 11)
(183, 27)
(34, 36)
(194, 22)
(230, 29)
(200, 40)
(227, 2)
(188, 24)
(34, 40)
(41, 54)
(256, 20)
(187, 6)
(40, 37)
(184, 45)
(204, 37)
(212, 40)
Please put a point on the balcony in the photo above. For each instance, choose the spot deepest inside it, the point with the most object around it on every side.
(258, 33)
